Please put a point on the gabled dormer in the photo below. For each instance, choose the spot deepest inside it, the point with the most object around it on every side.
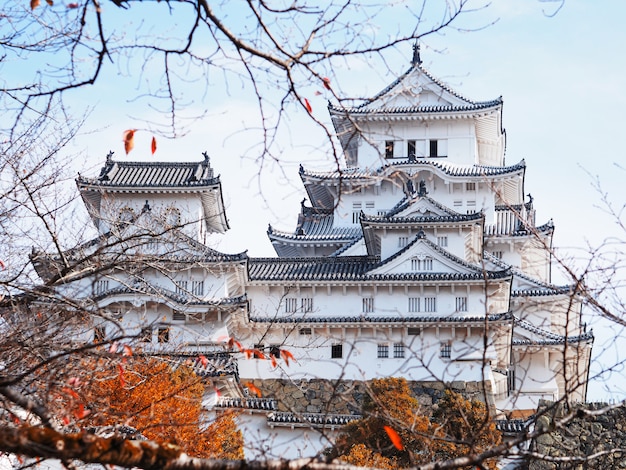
(418, 116)
(184, 195)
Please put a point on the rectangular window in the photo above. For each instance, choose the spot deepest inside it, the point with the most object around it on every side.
(356, 212)
(389, 148)
(258, 347)
(414, 304)
(433, 148)
(145, 336)
(99, 334)
(470, 186)
(291, 305)
(413, 331)
(305, 331)
(425, 264)
(181, 288)
(336, 351)
(442, 241)
(368, 304)
(410, 149)
(461, 304)
(370, 204)
(197, 288)
(178, 315)
(163, 335)
(445, 350)
(497, 254)
(101, 286)
(457, 203)
(306, 304)
(398, 350)
(383, 351)
(430, 304)
(403, 241)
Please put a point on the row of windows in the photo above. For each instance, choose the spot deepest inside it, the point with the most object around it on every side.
(145, 335)
(445, 350)
(442, 241)
(417, 148)
(292, 303)
(415, 305)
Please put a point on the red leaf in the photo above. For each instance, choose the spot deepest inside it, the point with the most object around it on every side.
(2, 265)
(73, 5)
(308, 106)
(129, 138)
(394, 437)
(153, 147)
(34, 4)
(120, 369)
(248, 353)
(326, 82)
(50, 2)
(253, 388)
(258, 354)
(217, 392)
(128, 351)
(286, 355)
(273, 360)
(113, 348)
(70, 392)
(203, 360)
(81, 412)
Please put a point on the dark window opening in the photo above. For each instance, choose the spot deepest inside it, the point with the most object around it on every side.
(99, 334)
(433, 148)
(163, 335)
(336, 351)
(410, 150)
(389, 148)
(275, 351)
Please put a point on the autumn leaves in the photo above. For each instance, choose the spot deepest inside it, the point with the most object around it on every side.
(129, 141)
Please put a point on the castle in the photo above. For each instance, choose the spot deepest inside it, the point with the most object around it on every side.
(420, 257)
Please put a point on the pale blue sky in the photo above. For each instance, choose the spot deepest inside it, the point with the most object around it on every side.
(562, 79)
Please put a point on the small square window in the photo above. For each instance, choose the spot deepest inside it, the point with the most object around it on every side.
(258, 347)
(383, 351)
(178, 315)
(163, 335)
(181, 288)
(461, 304)
(368, 304)
(336, 351)
(306, 304)
(442, 241)
(403, 241)
(445, 350)
(398, 350)
(470, 186)
(430, 304)
(305, 331)
(145, 336)
(413, 331)
(101, 287)
(197, 288)
(99, 334)
(414, 304)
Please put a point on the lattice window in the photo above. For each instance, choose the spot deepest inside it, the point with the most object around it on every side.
(306, 304)
(425, 264)
(101, 286)
(403, 241)
(305, 331)
(368, 304)
(182, 287)
(291, 305)
(414, 304)
(383, 351)
(445, 350)
(442, 241)
(336, 351)
(178, 315)
(497, 254)
(470, 186)
(430, 304)
(413, 331)
(398, 350)
(389, 145)
(370, 205)
(197, 288)
(461, 304)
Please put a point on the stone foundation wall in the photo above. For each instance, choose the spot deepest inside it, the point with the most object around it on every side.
(582, 437)
(345, 396)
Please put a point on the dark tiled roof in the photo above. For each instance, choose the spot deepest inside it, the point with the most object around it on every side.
(316, 420)
(152, 174)
(507, 316)
(418, 109)
(549, 338)
(351, 268)
(181, 299)
(319, 233)
(512, 426)
(423, 219)
(247, 403)
(448, 168)
(211, 365)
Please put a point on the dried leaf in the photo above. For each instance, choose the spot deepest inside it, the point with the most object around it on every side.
(286, 355)
(253, 388)
(120, 369)
(2, 265)
(154, 146)
(129, 140)
(72, 5)
(308, 106)
(81, 412)
(128, 351)
(258, 354)
(394, 437)
(273, 360)
(50, 2)
(34, 4)
(326, 82)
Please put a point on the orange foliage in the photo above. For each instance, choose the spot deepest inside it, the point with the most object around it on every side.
(394, 432)
(162, 403)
